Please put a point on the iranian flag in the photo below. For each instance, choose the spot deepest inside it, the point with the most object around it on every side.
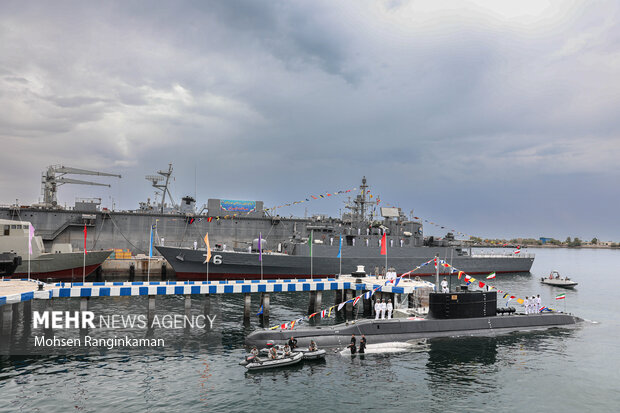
(560, 296)
(491, 276)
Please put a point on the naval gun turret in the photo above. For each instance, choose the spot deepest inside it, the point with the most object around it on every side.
(55, 176)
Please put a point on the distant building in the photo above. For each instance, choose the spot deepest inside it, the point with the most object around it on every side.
(545, 240)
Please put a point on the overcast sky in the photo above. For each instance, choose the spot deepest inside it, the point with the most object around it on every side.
(496, 118)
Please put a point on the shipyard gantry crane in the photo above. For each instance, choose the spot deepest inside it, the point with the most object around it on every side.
(55, 176)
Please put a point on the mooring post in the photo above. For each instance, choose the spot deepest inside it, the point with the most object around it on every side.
(84, 304)
(151, 309)
(247, 307)
(188, 305)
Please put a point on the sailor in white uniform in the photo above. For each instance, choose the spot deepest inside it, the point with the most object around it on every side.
(526, 305)
(538, 303)
(444, 286)
(383, 308)
(389, 309)
(377, 309)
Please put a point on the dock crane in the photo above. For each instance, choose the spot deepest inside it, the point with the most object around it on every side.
(55, 176)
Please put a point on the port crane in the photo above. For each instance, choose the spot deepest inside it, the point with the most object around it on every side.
(54, 176)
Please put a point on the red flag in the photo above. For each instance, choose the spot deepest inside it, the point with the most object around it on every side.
(481, 284)
(85, 233)
(435, 263)
(383, 245)
(209, 219)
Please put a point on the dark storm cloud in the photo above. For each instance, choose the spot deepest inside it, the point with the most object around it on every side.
(491, 117)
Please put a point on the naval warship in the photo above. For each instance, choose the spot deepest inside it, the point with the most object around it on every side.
(234, 227)
(450, 314)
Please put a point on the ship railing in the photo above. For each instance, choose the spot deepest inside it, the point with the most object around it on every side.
(521, 255)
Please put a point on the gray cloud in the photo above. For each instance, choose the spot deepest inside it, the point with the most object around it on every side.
(495, 118)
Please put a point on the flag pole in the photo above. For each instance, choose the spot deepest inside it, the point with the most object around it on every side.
(311, 242)
(340, 256)
(386, 249)
(84, 260)
(260, 253)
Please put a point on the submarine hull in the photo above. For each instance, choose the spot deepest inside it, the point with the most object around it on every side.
(383, 331)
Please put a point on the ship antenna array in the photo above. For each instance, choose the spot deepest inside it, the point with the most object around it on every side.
(157, 180)
(54, 176)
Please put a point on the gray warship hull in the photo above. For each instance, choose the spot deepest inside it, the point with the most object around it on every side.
(383, 331)
(189, 264)
(65, 266)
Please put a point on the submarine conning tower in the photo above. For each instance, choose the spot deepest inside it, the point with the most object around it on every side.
(467, 304)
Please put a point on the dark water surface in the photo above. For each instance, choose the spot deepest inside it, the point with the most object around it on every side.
(567, 370)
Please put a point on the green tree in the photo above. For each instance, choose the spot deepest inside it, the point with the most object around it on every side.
(568, 240)
(594, 241)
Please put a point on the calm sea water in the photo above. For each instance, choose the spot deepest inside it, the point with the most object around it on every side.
(567, 370)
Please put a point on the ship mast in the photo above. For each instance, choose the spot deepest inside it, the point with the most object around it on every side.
(358, 208)
(155, 180)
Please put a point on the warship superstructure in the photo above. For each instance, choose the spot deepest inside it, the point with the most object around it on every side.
(234, 227)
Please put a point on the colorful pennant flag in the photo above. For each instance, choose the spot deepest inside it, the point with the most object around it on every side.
(30, 237)
(208, 255)
(383, 245)
(260, 311)
(560, 296)
(491, 276)
(481, 284)
(356, 300)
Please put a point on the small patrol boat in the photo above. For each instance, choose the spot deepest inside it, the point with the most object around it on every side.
(311, 355)
(258, 363)
(556, 280)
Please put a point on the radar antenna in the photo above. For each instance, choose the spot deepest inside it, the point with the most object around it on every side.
(156, 181)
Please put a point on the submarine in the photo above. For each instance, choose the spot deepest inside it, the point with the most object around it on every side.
(462, 313)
